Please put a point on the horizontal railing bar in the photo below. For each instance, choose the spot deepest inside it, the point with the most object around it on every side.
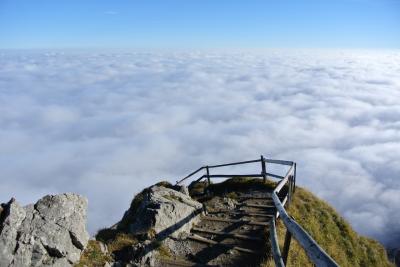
(276, 252)
(281, 184)
(234, 175)
(291, 169)
(277, 161)
(201, 177)
(316, 254)
(282, 162)
(234, 163)
(274, 175)
(193, 173)
(283, 204)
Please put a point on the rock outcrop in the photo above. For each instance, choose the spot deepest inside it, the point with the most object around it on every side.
(51, 232)
(163, 211)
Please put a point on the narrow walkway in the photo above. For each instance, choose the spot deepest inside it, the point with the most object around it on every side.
(233, 232)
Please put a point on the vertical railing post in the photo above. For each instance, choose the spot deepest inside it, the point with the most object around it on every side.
(286, 245)
(294, 177)
(208, 175)
(289, 192)
(263, 169)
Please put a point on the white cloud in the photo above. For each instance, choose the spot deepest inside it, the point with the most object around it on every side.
(108, 124)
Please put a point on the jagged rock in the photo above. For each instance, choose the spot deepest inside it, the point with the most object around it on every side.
(51, 232)
(163, 211)
(184, 190)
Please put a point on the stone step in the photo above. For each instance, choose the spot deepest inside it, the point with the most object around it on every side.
(257, 206)
(212, 242)
(241, 212)
(227, 234)
(243, 221)
(182, 263)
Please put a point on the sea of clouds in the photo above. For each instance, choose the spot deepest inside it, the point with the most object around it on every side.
(106, 124)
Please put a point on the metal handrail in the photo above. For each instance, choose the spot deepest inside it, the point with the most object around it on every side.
(316, 254)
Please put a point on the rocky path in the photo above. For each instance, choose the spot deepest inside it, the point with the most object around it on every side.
(233, 232)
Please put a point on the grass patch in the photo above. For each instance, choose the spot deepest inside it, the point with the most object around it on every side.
(106, 235)
(197, 188)
(232, 195)
(163, 250)
(121, 241)
(239, 185)
(332, 232)
(92, 256)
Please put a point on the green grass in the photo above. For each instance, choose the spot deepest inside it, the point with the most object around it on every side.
(332, 232)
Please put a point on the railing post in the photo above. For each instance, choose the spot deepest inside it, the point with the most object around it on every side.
(263, 169)
(294, 178)
(208, 175)
(290, 188)
(286, 245)
(276, 253)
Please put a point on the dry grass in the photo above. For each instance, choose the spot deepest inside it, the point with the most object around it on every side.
(164, 251)
(93, 256)
(232, 195)
(331, 232)
(121, 241)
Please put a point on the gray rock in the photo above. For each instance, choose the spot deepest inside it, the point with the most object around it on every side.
(164, 211)
(184, 190)
(51, 232)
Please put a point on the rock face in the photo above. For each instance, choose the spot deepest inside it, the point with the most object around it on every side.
(51, 232)
(163, 211)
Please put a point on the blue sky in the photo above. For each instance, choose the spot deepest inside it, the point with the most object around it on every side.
(199, 24)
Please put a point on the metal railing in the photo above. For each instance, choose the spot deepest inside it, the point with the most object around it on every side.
(315, 253)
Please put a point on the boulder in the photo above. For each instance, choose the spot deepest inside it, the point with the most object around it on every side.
(163, 211)
(51, 232)
(183, 189)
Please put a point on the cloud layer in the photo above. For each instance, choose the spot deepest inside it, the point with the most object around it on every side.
(108, 124)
